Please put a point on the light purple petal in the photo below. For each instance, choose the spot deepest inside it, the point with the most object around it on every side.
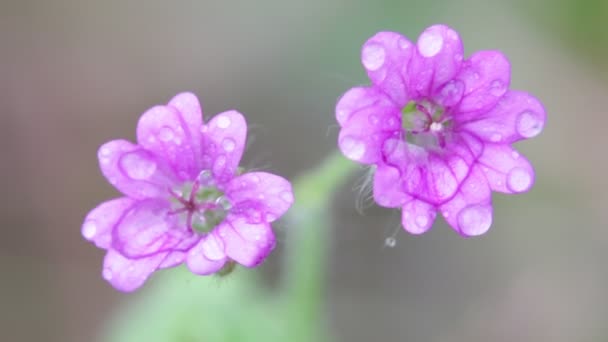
(517, 116)
(430, 175)
(506, 170)
(259, 196)
(385, 56)
(469, 212)
(436, 60)
(366, 99)
(129, 274)
(132, 170)
(208, 256)
(173, 136)
(100, 222)
(224, 143)
(246, 243)
(173, 259)
(148, 228)
(417, 216)
(388, 191)
(486, 77)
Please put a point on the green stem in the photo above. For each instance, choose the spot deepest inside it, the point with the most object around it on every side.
(308, 246)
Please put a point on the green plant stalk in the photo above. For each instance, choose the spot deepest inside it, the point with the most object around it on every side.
(309, 223)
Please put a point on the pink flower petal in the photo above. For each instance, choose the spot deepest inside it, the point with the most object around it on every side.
(207, 256)
(100, 222)
(132, 170)
(224, 143)
(486, 77)
(129, 274)
(364, 99)
(385, 56)
(517, 116)
(435, 61)
(259, 196)
(417, 216)
(173, 136)
(388, 190)
(246, 243)
(148, 228)
(469, 212)
(506, 170)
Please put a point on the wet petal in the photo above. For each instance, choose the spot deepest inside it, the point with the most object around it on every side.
(360, 99)
(259, 196)
(173, 259)
(174, 136)
(224, 142)
(246, 243)
(208, 256)
(129, 274)
(506, 170)
(486, 77)
(388, 191)
(132, 170)
(100, 222)
(517, 116)
(363, 134)
(385, 56)
(417, 216)
(469, 212)
(148, 228)
(436, 60)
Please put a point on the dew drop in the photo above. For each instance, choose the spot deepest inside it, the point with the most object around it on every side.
(430, 43)
(422, 221)
(475, 219)
(228, 144)
(496, 137)
(270, 217)
(497, 88)
(213, 248)
(287, 196)
(105, 152)
(166, 134)
(390, 242)
(204, 129)
(137, 165)
(528, 125)
(223, 121)
(458, 57)
(107, 274)
(519, 179)
(353, 148)
(218, 165)
(373, 56)
(89, 229)
(373, 119)
(515, 154)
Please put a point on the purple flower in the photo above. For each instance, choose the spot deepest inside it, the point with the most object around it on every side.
(438, 129)
(185, 199)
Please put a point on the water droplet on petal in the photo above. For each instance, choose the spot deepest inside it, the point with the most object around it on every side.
(404, 44)
(287, 196)
(228, 145)
(89, 229)
(138, 165)
(373, 119)
(223, 121)
(270, 217)
(218, 165)
(353, 148)
(475, 219)
(373, 56)
(105, 152)
(107, 274)
(204, 129)
(430, 43)
(213, 248)
(166, 134)
(497, 88)
(390, 242)
(496, 137)
(422, 221)
(519, 179)
(458, 57)
(528, 125)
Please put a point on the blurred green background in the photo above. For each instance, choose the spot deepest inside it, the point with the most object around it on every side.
(74, 74)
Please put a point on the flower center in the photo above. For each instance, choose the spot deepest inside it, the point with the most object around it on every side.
(425, 124)
(200, 204)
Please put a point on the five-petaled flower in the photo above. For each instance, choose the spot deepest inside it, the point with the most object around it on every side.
(185, 198)
(438, 129)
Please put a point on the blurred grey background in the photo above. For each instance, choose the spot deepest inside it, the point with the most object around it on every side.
(74, 74)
